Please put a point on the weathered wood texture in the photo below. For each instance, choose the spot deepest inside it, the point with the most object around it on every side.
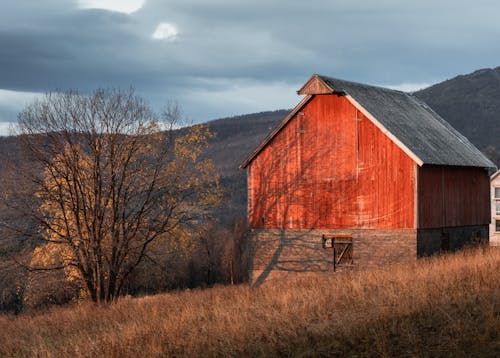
(278, 252)
(330, 167)
(315, 86)
(452, 196)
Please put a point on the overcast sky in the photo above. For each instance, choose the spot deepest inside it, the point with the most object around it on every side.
(226, 57)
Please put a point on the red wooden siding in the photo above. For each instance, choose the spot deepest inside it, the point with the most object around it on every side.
(452, 196)
(330, 167)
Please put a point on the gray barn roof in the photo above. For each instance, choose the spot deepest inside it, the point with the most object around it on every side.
(407, 119)
(415, 124)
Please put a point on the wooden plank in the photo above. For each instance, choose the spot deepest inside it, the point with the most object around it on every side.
(315, 85)
(452, 196)
(386, 181)
(385, 131)
(331, 168)
(275, 131)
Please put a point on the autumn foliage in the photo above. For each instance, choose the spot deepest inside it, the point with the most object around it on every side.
(113, 185)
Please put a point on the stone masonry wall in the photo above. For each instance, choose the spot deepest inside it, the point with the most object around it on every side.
(430, 241)
(277, 253)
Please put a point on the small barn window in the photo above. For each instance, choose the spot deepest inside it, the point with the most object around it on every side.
(342, 246)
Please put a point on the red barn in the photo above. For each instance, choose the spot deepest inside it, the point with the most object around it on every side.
(360, 176)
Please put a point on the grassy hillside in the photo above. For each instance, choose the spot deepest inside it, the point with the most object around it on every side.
(443, 306)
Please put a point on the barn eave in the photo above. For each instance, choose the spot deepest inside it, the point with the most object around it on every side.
(310, 93)
(275, 131)
(410, 123)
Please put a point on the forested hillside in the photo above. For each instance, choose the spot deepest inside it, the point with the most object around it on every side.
(471, 104)
(235, 138)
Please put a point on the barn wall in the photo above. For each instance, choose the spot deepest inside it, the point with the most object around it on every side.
(330, 167)
(431, 241)
(452, 196)
(277, 253)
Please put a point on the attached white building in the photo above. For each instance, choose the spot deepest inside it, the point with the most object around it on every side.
(495, 210)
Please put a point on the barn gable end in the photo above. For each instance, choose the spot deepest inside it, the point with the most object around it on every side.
(330, 167)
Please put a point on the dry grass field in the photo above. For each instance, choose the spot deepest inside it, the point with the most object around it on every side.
(444, 306)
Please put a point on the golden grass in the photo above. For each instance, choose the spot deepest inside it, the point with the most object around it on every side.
(443, 306)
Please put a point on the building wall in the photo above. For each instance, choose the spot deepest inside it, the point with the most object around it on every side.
(431, 241)
(452, 196)
(277, 253)
(494, 234)
(330, 167)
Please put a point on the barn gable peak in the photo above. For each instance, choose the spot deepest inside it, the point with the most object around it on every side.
(410, 123)
(315, 85)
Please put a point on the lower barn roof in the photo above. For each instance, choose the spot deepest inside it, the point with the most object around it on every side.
(415, 124)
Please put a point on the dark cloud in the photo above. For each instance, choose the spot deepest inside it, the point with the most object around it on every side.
(234, 56)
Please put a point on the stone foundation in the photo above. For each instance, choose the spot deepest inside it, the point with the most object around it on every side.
(431, 241)
(278, 253)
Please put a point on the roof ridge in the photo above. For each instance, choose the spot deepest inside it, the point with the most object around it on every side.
(334, 79)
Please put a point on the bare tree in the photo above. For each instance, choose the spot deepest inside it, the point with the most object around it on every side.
(111, 184)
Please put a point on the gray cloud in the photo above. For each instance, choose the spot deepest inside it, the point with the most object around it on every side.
(234, 56)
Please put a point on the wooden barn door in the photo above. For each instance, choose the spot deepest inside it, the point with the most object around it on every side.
(342, 249)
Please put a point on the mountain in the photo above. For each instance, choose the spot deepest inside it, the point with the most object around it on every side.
(471, 104)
